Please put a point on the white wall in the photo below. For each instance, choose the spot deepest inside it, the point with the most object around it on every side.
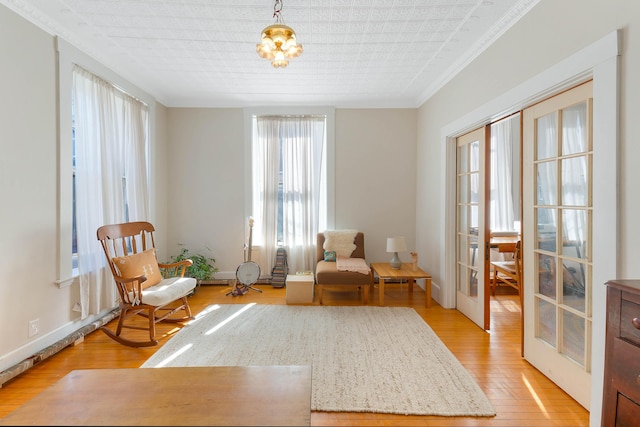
(374, 180)
(159, 180)
(28, 166)
(206, 184)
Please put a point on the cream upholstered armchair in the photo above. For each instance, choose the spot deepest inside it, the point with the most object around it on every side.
(340, 264)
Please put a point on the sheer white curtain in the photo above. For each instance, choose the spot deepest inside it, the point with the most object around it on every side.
(502, 215)
(546, 170)
(574, 175)
(110, 176)
(266, 175)
(293, 145)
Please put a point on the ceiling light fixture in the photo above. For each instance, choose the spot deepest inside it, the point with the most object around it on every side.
(278, 41)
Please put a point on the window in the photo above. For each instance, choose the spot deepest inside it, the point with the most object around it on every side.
(289, 181)
(505, 175)
(74, 232)
(126, 128)
(109, 150)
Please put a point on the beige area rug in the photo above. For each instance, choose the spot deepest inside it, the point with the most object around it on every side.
(363, 358)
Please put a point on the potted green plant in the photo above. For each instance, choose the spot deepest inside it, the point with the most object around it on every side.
(203, 267)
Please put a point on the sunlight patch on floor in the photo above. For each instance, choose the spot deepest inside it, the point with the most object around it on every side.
(535, 396)
(500, 305)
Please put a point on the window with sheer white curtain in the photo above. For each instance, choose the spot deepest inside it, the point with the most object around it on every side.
(110, 145)
(503, 206)
(289, 186)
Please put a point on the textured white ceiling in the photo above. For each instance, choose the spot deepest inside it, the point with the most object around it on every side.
(357, 53)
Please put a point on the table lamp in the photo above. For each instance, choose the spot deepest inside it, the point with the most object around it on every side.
(395, 245)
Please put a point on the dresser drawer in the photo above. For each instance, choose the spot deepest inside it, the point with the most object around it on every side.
(630, 320)
(625, 373)
(627, 412)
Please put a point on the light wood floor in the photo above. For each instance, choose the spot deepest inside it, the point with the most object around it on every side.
(521, 395)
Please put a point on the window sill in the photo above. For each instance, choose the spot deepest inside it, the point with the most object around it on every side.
(64, 283)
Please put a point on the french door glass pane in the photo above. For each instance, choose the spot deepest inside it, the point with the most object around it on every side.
(547, 136)
(547, 276)
(546, 173)
(463, 218)
(473, 223)
(463, 159)
(573, 289)
(573, 336)
(575, 228)
(463, 250)
(574, 125)
(574, 181)
(463, 279)
(546, 322)
(463, 189)
(547, 225)
(474, 156)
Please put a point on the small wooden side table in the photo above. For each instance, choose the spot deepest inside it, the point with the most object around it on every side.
(406, 272)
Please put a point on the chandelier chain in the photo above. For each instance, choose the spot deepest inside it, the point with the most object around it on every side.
(277, 9)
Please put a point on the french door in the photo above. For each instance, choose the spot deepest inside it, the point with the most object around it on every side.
(558, 211)
(471, 230)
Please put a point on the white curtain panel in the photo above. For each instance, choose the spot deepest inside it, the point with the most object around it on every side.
(502, 216)
(110, 175)
(302, 145)
(574, 171)
(266, 167)
(296, 144)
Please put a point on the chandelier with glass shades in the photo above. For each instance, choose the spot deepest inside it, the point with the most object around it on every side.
(278, 41)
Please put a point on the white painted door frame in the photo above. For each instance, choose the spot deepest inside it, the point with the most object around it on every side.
(599, 61)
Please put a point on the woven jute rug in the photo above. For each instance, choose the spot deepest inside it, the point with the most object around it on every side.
(363, 358)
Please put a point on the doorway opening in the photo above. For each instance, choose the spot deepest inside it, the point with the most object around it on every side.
(504, 219)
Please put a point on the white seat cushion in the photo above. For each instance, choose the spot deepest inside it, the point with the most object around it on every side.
(168, 290)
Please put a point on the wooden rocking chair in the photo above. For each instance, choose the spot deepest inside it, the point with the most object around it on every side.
(143, 289)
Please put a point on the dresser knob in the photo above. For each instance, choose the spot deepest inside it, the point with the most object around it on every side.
(636, 323)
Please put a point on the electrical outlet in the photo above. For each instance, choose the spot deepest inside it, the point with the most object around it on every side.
(34, 327)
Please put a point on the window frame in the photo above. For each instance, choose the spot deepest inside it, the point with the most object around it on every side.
(329, 113)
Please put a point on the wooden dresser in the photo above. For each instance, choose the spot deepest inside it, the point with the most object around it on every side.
(621, 399)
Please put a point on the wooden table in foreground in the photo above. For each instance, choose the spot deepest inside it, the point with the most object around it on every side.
(217, 395)
(406, 272)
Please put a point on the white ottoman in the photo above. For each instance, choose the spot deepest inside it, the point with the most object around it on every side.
(299, 288)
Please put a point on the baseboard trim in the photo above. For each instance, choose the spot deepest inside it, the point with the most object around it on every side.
(73, 338)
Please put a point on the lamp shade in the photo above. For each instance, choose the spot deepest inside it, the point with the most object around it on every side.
(396, 244)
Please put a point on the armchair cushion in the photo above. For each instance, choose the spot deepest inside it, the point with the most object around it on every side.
(327, 273)
(142, 263)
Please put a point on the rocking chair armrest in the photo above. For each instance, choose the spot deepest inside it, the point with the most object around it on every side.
(179, 268)
(123, 281)
(138, 279)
